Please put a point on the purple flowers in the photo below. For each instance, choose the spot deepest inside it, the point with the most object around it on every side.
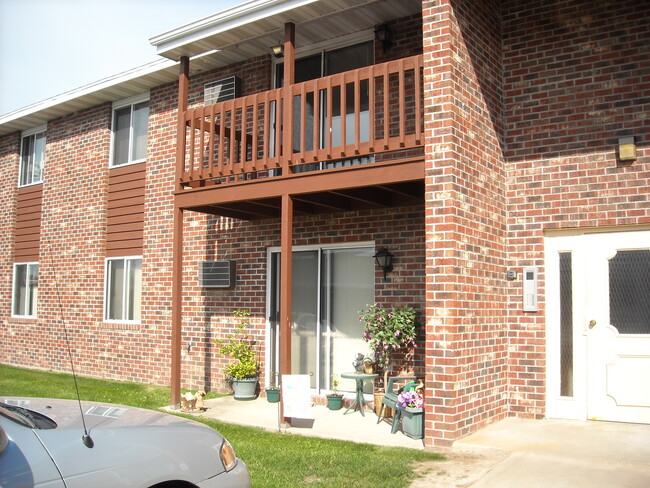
(410, 398)
(388, 331)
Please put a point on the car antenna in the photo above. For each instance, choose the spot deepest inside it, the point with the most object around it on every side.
(86, 439)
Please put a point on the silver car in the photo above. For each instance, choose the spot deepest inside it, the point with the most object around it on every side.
(43, 443)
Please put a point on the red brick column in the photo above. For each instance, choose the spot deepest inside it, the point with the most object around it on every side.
(465, 219)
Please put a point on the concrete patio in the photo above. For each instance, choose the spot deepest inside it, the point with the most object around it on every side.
(329, 424)
(512, 452)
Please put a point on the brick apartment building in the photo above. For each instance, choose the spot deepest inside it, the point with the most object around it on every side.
(499, 149)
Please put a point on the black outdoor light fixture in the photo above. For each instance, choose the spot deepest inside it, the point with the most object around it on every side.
(278, 51)
(384, 260)
(383, 35)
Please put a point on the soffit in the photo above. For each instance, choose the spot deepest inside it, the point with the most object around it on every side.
(110, 89)
(250, 33)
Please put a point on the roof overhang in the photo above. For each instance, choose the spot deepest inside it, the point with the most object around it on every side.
(236, 34)
(116, 87)
(250, 29)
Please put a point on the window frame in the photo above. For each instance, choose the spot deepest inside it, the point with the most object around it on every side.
(29, 291)
(125, 290)
(22, 167)
(127, 102)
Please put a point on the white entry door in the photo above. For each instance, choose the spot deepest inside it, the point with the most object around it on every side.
(603, 294)
(618, 325)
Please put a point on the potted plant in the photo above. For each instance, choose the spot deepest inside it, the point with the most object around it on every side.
(388, 331)
(273, 390)
(243, 369)
(412, 405)
(334, 399)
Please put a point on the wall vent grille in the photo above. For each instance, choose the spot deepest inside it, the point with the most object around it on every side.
(217, 274)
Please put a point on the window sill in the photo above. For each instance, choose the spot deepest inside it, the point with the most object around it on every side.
(27, 185)
(18, 320)
(121, 325)
(130, 163)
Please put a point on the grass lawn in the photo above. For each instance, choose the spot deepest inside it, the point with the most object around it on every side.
(274, 460)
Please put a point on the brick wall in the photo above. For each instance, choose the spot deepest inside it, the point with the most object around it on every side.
(71, 248)
(577, 77)
(208, 312)
(406, 39)
(465, 219)
(9, 161)
(525, 101)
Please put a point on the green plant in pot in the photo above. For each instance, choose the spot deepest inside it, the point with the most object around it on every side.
(243, 369)
(335, 399)
(388, 331)
(273, 390)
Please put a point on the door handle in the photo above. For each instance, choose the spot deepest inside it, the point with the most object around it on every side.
(592, 324)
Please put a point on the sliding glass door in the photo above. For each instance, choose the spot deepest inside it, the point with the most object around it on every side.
(329, 287)
(330, 62)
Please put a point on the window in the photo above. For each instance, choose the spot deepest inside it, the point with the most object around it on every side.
(130, 126)
(123, 289)
(25, 290)
(32, 155)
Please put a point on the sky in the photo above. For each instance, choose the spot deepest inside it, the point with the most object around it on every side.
(49, 47)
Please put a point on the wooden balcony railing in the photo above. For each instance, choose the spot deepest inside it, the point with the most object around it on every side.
(356, 115)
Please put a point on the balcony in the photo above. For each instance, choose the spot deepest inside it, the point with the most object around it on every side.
(369, 117)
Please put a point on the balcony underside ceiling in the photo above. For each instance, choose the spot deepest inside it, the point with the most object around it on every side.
(312, 194)
(355, 199)
(246, 34)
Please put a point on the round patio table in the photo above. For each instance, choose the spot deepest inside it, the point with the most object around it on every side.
(359, 401)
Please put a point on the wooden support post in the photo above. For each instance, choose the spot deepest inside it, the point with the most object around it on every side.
(286, 238)
(177, 311)
(289, 54)
(183, 89)
(177, 248)
(287, 102)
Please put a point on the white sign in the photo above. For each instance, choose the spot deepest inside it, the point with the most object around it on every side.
(296, 396)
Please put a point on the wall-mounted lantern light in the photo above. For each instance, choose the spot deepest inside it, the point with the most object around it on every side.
(383, 35)
(626, 148)
(278, 51)
(384, 260)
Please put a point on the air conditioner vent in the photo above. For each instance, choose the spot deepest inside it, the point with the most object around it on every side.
(221, 90)
(217, 274)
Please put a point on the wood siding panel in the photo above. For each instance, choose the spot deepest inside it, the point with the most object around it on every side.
(28, 223)
(125, 213)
